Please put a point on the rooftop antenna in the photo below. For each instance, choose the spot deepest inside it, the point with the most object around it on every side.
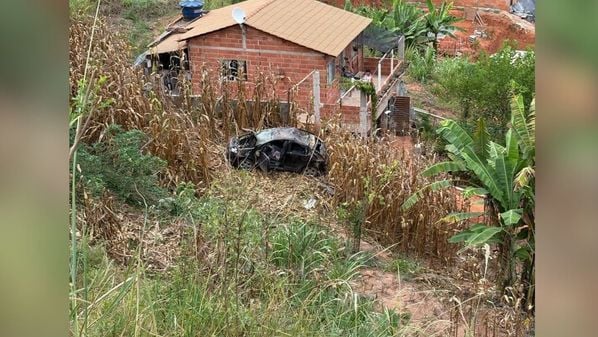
(239, 15)
(240, 18)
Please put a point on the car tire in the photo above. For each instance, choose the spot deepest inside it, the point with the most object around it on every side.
(311, 171)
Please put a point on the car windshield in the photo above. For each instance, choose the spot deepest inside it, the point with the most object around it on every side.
(299, 136)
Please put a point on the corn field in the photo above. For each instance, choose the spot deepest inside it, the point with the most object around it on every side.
(188, 132)
(371, 179)
(378, 178)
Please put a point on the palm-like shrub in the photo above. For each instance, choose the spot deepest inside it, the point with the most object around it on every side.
(438, 21)
(409, 21)
(402, 19)
(505, 175)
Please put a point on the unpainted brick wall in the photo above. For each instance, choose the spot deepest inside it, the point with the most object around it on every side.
(371, 64)
(264, 53)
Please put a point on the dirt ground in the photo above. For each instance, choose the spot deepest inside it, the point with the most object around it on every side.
(422, 98)
(497, 24)
(499, 4)
(431, 298)
(495, 27)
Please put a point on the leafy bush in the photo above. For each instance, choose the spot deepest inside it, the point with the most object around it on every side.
(421, 64)
(184, 203)
(407, 268)
(483, 89)
(117, 163)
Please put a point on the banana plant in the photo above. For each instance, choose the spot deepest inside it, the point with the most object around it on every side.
(401, 19)
(408, 20)
(504, 174)
(438, 21)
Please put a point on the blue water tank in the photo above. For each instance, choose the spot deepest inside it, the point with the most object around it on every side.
(191, 8)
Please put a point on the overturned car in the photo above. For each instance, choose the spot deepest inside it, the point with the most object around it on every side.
(283, 149)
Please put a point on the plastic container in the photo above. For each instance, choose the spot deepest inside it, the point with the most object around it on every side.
(191, 9)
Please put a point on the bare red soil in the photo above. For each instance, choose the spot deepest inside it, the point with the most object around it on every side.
(495, 28)
(496, 4)
(497, 25)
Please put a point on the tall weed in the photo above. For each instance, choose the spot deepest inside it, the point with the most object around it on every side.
(237, 292)
(421, 63)
(376, 178)
(483, 88)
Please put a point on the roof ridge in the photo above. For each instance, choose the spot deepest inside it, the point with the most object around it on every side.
(268, 3)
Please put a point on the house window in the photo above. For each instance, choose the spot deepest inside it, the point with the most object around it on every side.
(331, 72)
(232, 70)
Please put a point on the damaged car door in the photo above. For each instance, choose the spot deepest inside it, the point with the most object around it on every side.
(271, 156)
(296, 157)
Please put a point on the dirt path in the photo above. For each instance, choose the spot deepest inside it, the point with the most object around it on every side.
(427, 314)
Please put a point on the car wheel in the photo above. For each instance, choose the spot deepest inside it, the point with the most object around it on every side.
(311, 171)
(246, 164)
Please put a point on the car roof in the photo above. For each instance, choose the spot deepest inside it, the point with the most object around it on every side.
(297, 135)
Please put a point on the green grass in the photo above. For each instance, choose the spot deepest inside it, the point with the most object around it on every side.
(147, 8)
(263, 278)
(421, 63)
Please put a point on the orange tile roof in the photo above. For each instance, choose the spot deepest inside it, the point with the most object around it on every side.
(167, 44)
(308, 23)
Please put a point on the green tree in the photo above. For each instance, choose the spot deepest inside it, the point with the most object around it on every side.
(438, 21)
(505, 175)
(402, 19)
(486, 86)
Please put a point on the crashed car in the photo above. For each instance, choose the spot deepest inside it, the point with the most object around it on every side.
(281, 149)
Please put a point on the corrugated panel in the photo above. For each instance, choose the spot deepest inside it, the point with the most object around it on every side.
(308, 23)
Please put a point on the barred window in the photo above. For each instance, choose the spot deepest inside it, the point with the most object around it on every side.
(233, 70)
(331, 71)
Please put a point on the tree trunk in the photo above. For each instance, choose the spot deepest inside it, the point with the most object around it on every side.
(529, 266)
(466, 109)
(506, 261)
(527, 280)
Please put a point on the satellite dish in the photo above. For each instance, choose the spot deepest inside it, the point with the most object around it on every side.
(239, 15)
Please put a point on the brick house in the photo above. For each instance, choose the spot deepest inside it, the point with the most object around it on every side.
(288, 38)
